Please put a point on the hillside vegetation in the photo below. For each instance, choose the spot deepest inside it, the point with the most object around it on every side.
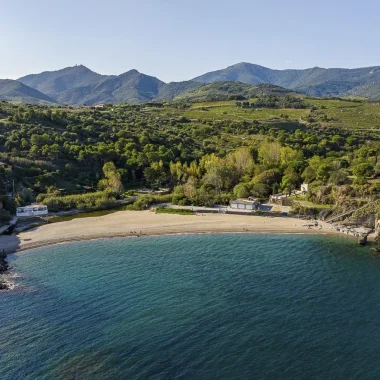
(207, 152)
(231, 91)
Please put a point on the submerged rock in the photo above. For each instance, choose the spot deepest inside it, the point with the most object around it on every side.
(363, 240)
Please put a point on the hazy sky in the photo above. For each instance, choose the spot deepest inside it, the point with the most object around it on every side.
(178, 40)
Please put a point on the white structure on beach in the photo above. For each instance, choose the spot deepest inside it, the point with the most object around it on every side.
(304, 188)
(277, 197)
(244, 204)
(34, 210)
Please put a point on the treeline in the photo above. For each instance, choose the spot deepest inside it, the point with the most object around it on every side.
(272, 101)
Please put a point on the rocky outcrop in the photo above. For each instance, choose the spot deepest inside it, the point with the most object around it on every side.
(3, 262)
(4, 267)
(363, 240)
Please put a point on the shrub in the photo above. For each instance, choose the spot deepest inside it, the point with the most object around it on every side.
(144, 202)
(166, 210)
(99, 199)
(5, 216)
(242, 190)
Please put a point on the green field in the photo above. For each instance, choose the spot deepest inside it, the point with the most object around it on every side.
(233, 113)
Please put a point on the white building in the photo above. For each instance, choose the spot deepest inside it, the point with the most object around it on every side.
(35, 210)
(304, 187)
(277, 197)
(244, 204)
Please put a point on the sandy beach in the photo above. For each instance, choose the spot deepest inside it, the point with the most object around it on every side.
(145, 223)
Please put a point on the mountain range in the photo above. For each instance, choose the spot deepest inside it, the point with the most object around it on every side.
(79, 85)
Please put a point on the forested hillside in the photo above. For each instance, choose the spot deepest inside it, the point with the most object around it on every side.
(206, 152)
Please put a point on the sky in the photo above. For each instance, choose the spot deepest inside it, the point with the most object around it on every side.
(177, 40)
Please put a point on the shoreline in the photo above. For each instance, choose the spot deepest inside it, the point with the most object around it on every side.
(60, 241)
(124, 224)
(136, 224)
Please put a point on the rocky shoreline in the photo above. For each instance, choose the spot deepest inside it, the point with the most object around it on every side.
(4, 268)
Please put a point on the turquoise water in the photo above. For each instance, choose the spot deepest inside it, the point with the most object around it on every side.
(229, 306)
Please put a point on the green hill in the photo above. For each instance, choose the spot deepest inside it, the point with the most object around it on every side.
(232, 91)
(14, 91)
(175, 89)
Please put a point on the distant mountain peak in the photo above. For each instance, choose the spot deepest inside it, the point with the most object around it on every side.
(246, 64)
(82, 67)
(78, 84)
(132, 72)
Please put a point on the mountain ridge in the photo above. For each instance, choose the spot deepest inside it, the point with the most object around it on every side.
(14, 91)
(309, 81)
(78, 85)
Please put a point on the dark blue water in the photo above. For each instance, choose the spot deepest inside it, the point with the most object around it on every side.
(194, 307)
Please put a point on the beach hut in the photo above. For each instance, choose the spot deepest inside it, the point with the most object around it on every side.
(244, 204)
(34, 210)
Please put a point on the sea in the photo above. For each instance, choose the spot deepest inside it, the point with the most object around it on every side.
(213, 306)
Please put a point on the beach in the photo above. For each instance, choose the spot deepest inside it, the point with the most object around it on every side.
(147, 223)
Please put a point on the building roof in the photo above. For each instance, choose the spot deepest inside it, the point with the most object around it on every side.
(31, 206)
(281, 195)
(243, 201)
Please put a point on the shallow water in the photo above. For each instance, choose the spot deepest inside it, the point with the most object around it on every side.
(228, 306)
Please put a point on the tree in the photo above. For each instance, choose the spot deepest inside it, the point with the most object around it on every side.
(155, 173)
(339, 177)
(242, 190)
(289, 155)
(112, 179)
(220, 176)
(260, 190)
(267, 177)
(362, 170)
(323, 173)
(270, 153)
(290, 180)
(242, 160)
(178, 194)
(190, 189)
(309, 174)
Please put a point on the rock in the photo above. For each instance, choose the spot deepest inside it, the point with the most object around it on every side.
(363, 240)
(4, 267)
(324, 214)
(3, 285)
